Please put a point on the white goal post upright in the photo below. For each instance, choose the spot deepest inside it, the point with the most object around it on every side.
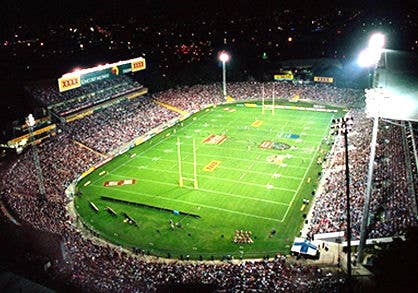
(179, 162)
(194, 166)
(181, 178)
(263, 105)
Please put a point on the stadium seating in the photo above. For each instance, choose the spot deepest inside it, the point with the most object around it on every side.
(91, 94)
(102, 267)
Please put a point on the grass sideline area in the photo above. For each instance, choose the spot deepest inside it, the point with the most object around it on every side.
(254, 172)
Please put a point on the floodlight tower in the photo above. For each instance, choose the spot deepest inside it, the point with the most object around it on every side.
(368, 58)
(224, 57)
(343, 126)
(30, 121)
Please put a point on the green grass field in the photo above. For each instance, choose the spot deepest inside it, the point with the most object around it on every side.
(252, 188)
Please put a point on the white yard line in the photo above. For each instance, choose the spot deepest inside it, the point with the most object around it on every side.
(306, 172)
(255, 150)
(221, 179)
(233, 158)
(207, 190)
(151, 146)
(199, 204)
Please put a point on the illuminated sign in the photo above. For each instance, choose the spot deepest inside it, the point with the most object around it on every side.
(138, 65)
(115, 70)
(88, 75)
(69, 83)
(323, 79)
(285, 76)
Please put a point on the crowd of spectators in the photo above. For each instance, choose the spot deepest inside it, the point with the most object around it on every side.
(64, 103)
(411, 131)
(91, 265)
(103, 267)
(391, 205)
(198, 96)
(61, 160)
(394, 211)
(116, 125)
(112, 127)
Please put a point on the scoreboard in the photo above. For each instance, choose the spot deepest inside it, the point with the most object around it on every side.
(81, 77)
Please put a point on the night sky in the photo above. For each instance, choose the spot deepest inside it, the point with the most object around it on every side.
(43, 22)
(62, 11)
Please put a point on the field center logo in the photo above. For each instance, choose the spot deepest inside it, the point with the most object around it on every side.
(267, 144)
(214, 139)
(275, 159)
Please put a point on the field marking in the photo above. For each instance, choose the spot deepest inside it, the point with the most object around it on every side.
(300, 125)
(268, 174)
(151, 146)
(154, 146)
(296, 125)
(230, 168)
(208, 190)
(256, 149)
(281, 131)
(264, 162)
(235, 140)
(197, 204)
(306, 172)
(220, 178)
(268, 134)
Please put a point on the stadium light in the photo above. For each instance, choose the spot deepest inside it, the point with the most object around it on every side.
(374, 98)
(30, 121)
(377, 41)
(224, 57)
(371, 55)
(343, 126)
(368, 58)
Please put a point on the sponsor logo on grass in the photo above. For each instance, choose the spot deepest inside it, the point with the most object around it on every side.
(119, 182)
(211, 166)
(230, 110)
(214, 139)
(257, 123)
(275, 159)
(280, 146)
(292, 136)
(266, 144)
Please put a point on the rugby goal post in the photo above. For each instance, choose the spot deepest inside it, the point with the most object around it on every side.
(181, 177)
(263, 106)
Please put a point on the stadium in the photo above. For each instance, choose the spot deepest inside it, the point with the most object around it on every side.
(285, 183)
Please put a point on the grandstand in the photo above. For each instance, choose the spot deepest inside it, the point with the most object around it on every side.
(87, 90)
(100, 123)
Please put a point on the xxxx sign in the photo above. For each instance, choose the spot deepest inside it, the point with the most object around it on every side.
(68, 83)
(138, 65)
